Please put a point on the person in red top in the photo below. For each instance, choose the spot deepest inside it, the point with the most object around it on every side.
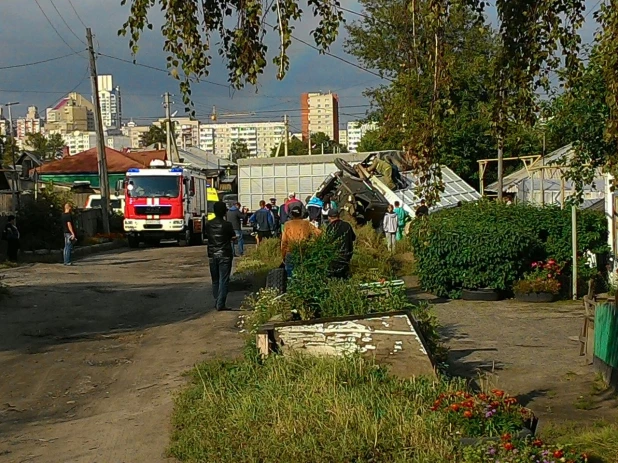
(285, 209)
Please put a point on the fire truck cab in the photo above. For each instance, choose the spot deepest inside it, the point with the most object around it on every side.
(166, 201)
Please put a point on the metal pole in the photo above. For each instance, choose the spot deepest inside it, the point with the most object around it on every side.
(98, 125)
(500, 150)
(309, 140)
(16, 198)
(574, 243)
(286, 134)
(562, 191)
(168, 127)
(543, 173)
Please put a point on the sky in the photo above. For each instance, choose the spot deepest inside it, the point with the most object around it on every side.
(27, 29)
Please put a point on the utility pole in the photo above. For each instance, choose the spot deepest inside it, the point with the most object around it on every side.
(574, 250)
(543, 172)
(309, 140)
(168, 126)
(98, 125)
(286, 134)
(16, 198)
(500, 147)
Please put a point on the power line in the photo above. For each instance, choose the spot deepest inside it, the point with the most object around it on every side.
(77, 14)
(42, 61)
(74, 87)
(593, 8)
(65, 23)
(155, 68)
(56, 30)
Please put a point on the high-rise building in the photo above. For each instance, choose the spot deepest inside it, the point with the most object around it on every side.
(4, 123)
(72, 113)
(135, 133)
(78, 141)
(356, 132)
(111, 104)
(343, 138)
(320, 113)
(260, 137)
(32, 123)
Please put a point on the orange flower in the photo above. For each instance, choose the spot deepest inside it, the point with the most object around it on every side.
(483, 397)
(497, 392)
(558, 454)
(510, 401)
(537, 443)
(455, 407)
(506, 437)
(468, 404)
(508, 446)
(467, 414)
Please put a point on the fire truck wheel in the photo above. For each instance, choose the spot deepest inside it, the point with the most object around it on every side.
(187, 237)
(277, 279)
(133, 241)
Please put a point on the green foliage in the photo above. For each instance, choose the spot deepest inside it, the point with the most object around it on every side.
(262, 258)
(262, 306)
(295, 148)
(39, 221)
(376, 140)
(45, 147)
(239, 150)
(155, 134)
(521, 451)
(8, 151)
(490, 244)
(305, 410)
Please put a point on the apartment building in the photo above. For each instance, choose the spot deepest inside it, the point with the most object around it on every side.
(32, 123)
(356, 132)
(187, 131)
(72, 113)
(260, 137)
(111, 103)
(343, 138)
(320, 113)
(135, 133)
(78, 141)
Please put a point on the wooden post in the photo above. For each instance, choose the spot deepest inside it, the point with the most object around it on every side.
(262, 342)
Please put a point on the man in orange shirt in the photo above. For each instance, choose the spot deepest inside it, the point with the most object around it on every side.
(295, 230)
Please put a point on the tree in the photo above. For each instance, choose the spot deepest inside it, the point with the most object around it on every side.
(45, 147)
(154, 135)
(321, 143)
(8, 151)
(239, 150)
(534, 38)
(374, 140)
(295, 148)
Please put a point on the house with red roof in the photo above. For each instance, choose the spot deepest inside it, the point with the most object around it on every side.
(83, 167)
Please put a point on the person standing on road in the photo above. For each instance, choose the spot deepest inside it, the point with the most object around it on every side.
(234, 216)
(276, 215)
(314, 209)
(285, 209)
(402, 219)
(264, 222)
(390, 226)
(295, 231)
(11, 235)
(220, 235)
(344, 233)
(68, 229)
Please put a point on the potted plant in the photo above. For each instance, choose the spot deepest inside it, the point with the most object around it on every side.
(485, 416)
(521, 451)
(541, 284)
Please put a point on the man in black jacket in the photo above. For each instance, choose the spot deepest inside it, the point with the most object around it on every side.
(220, 235)
(344, 233)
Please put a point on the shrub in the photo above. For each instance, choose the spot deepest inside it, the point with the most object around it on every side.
(542, 279)
(308, 409)
(489, 244)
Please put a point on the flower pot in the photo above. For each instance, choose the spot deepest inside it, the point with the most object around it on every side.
(529, 430)
(536, 297)
(482, 294)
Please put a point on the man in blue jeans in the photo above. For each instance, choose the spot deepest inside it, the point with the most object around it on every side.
(220, 235)
(235, 216)
(69, 233)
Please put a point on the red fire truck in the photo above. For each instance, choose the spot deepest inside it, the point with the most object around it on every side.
(166, 201)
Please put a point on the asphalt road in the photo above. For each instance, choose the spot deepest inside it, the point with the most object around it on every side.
(91, 355)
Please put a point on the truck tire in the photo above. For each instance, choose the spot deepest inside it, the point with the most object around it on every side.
(133, 241)
(346, 167)
(186, 237)
(277, 279)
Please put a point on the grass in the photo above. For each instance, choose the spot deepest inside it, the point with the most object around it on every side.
(308, 409)
(600, 440)
(261, 259)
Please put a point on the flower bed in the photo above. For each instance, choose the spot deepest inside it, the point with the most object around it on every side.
(542, 284)
(522, 451)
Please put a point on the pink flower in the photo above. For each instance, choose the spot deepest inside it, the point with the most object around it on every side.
(534, 264)
(549, 275)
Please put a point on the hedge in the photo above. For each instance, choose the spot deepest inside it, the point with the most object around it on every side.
(491, 245)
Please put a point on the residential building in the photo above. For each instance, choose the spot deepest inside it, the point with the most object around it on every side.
(135, 133)
(78, 141)
(356, 132)
(187, 131)
(320, 113)
(343, 138)
(32, 123)
(72, 113)
(111, 104)
(4, 123)
(260, 137)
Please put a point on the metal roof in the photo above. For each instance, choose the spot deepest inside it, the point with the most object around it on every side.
(455, 190)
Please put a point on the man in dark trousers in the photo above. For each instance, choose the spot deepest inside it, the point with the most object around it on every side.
(68, 227)
(344, 233)
(220, 235)
(235, 216)
(11, 235)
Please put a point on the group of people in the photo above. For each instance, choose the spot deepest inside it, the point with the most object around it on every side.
(395, 220)
(292, 221)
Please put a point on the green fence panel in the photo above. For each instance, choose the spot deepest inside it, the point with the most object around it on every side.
(606, 334)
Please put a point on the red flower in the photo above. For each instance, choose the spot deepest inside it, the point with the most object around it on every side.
(468, 404)
(508, 446)
(506, 437)
(537, 443)
(467, 414)
(497, 392)
(467, 395)
(510, 401)
(483, 397)
(495, 404)
(455, 407)
(434, 408)
(558, 454)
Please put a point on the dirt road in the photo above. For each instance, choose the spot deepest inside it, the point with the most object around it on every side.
(91, 355)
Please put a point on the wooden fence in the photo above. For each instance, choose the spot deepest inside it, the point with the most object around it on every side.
(7, 198)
